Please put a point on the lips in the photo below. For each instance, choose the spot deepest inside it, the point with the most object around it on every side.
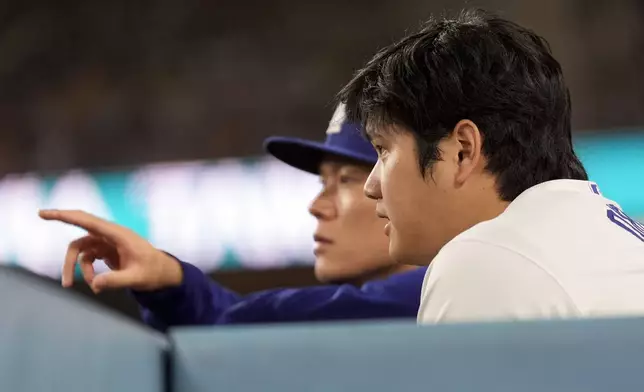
(322, 239)
(322, 244)
(381, 214)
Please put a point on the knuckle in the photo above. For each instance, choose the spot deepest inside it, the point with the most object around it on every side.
(78, 242)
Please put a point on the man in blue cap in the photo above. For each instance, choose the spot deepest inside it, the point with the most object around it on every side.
(351, 249)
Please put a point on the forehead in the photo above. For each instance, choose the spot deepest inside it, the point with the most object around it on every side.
(378, 129)
(331, 164)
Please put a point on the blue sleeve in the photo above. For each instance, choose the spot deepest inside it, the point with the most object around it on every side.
(199, 301)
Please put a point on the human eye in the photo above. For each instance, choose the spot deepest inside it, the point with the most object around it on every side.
(380, 149)
(346, 179)
(352, 175)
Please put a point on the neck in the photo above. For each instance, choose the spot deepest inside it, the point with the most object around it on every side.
(380, 273)
(484, 204)
(491, 209)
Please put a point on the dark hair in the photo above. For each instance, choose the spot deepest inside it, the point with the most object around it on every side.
(480, 67)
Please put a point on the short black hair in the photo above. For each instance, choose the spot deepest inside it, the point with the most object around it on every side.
(480, 67)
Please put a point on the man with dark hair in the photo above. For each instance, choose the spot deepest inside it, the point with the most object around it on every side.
(477, 175)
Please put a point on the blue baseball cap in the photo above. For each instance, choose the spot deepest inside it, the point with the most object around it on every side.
(343, 139)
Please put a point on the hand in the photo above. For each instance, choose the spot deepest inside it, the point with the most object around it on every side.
(134, 262)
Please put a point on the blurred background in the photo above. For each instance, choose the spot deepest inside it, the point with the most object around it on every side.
(153, 113)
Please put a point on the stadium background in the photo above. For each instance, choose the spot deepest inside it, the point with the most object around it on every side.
(153, 114)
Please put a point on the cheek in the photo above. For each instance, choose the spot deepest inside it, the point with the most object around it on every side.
(397, 184)
(386, 180)
(365, 235)
(410, 200)
(363, 232)
(443, 176)
(359, 213)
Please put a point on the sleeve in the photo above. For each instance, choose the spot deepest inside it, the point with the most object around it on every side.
(199, 301)
(395, 297)
(477, 281)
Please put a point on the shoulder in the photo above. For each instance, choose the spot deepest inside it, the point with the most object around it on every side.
(473, 279)
(480, 256)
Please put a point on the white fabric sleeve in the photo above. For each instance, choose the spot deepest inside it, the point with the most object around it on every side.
(472, 281)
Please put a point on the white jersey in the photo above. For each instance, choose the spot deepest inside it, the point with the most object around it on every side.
(560, 250)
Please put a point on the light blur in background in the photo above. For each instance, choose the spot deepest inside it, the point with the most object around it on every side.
(153, 113)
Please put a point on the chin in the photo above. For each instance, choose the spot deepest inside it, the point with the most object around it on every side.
(395, 251)
(400, 253)
(403, 256)
(326, 272)
(324, 275)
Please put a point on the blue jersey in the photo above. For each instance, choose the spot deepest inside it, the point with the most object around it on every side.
(200, 301)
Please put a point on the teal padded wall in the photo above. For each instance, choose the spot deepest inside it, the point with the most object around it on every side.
(52, 340)
(603, 355)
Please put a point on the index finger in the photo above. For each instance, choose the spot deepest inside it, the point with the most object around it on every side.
(86, 221)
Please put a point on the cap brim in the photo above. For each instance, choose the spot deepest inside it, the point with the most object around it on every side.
(307, 155)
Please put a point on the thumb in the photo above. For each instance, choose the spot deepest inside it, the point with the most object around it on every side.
(116, 279)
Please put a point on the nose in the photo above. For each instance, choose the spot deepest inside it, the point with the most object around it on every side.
(322, 206)
(372, 185)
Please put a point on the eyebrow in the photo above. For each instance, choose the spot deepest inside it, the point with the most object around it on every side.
(371, 132)
(352, 168)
